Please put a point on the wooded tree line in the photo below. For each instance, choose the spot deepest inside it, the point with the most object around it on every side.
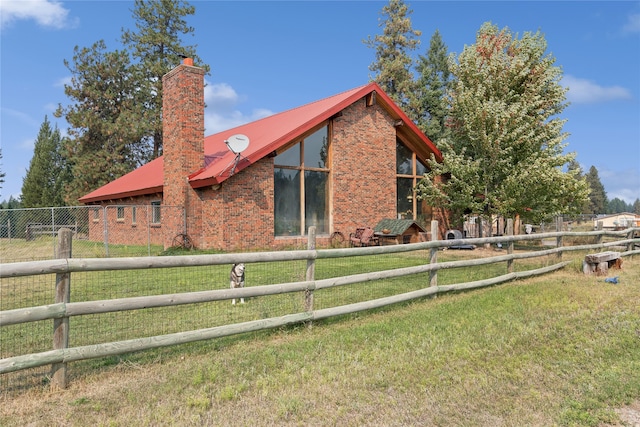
(493, 111)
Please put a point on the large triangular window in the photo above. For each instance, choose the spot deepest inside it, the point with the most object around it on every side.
(301, 182)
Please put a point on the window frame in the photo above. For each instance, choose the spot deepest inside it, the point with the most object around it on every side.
(303, 168)
(414, 177)
(120, 213)
(156, 212)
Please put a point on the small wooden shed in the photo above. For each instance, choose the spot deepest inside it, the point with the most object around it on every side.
(396, 231)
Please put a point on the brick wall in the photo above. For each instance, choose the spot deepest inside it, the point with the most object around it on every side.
(363, 167)
(143, 230)
(239, 214)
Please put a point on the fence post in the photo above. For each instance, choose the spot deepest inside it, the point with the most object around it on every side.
(599, 227)
(61, 326)
(433, 274)
(311, 269)
(510, 244)
(630, 235)
(559, 244)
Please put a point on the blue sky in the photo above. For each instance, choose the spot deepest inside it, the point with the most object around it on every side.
(270, 56)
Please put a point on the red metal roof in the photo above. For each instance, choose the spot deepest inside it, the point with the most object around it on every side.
(147, 179)
(265, 135)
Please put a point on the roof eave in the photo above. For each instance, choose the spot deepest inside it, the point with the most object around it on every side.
(123, 195)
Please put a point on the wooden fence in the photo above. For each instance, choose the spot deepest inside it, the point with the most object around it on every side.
(62, 309)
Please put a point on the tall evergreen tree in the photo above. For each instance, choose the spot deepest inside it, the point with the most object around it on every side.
(116, 96)
(156, 47)
(505, 155)
(393, 64)
(636, 207)
(598, 202)
(107, 127)
(43, 183)
(617, 205)
(12, 203)
(434, 81)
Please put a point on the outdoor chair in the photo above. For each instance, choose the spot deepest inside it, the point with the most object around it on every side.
(363, 237)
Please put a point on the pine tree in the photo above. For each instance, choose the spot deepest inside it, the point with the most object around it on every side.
(617, 205)
(598, 202)
(433, 83)
(393, 64)
(636, 207)
(115, 111)
(157, 48)
(43, 183)
(107, 127)
(505, 155)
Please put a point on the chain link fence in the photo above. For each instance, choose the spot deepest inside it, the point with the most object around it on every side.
(112, 231)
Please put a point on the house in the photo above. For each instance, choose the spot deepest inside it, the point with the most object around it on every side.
(337, 163)
(617, 221)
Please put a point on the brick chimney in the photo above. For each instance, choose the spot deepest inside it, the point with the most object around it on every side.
(183, 135)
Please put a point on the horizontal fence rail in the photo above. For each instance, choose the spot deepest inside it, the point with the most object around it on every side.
(64, 268)
(71, 265)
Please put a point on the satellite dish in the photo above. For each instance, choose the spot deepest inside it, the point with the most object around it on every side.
(237, 143)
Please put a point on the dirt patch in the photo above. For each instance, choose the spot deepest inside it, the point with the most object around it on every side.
(629, 416)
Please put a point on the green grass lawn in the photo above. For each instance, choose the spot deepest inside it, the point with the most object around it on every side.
(562, 349)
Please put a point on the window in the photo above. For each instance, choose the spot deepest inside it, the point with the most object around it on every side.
(155, 212)
(409, 170)
(120, 213)
(134, 219)
(96, 214)
(301, 180)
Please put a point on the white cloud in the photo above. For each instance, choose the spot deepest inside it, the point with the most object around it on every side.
(583, 91)
(19, 116)
(27, 144)
(222, 113)
(47, 13)
(624, 185)
(633, 24)
(61, 82)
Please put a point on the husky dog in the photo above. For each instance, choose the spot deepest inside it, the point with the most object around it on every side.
(237, 279)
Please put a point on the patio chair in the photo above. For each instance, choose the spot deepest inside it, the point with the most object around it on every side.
(363, 237)
(354, 238)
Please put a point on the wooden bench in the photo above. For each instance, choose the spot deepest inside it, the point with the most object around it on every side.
(600, 263)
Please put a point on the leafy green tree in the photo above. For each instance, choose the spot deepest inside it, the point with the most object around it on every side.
(157, 48)
(434, 81)
(43, 183)
(107, 134)
(598, 202)
(505, 155)
(393, 64)
(574, 167)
